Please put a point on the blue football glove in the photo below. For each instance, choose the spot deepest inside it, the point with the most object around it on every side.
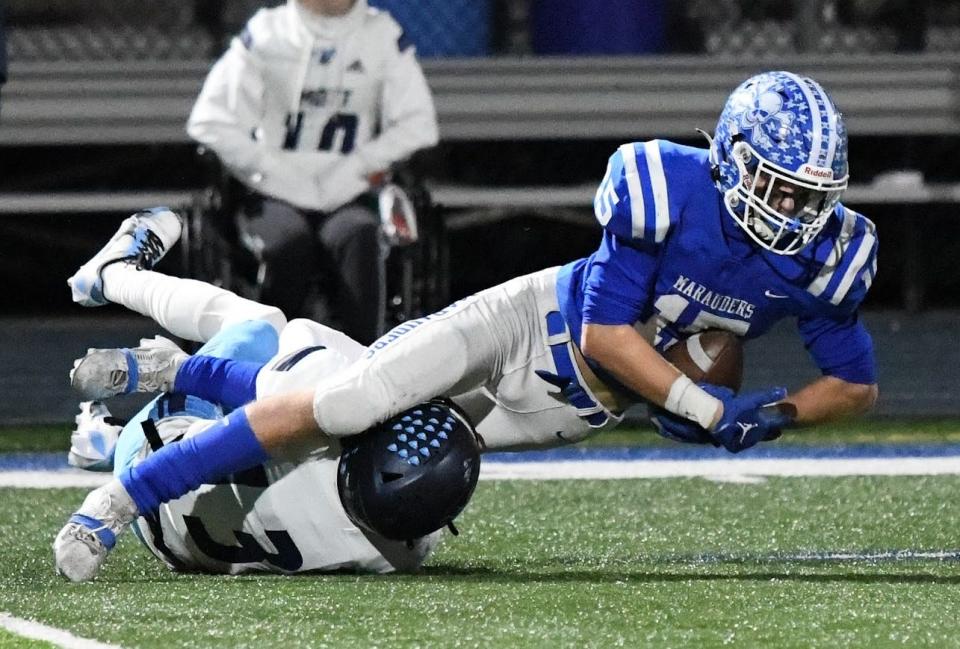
(679, 429)
(745, 421)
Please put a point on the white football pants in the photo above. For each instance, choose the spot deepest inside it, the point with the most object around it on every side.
(195, 310)
(187, 308)
(485, 348)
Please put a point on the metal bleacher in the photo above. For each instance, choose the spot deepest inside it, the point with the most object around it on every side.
(494, 99)
(114, 102)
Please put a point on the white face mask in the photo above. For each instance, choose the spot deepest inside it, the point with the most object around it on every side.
(782, 211)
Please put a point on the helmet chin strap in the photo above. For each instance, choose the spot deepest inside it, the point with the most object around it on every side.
(714, 164)
(707, 136)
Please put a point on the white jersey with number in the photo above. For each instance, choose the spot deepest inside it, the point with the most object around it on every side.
(304, 108)
(284, 516)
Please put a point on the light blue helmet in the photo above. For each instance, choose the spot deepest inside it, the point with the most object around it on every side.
(779, 154)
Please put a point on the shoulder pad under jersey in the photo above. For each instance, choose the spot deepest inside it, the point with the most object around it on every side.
(632, 200)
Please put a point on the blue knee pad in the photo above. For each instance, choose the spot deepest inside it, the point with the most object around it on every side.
(253, 340)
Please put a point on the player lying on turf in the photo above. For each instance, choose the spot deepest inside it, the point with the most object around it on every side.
(551, 349)
(283, 516)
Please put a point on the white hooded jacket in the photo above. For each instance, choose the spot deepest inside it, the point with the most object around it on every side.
(304, 107)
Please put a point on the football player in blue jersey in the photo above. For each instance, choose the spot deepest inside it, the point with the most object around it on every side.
(735, 237)
(776, 243)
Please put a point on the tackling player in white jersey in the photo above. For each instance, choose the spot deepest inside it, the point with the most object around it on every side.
(285, 516)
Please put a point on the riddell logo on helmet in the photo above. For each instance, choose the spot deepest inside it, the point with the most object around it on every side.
(816, 172)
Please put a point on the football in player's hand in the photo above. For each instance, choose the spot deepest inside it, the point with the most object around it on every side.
(711, 356)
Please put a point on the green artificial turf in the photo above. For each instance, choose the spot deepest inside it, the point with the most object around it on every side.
(12, 641)
(632, 563)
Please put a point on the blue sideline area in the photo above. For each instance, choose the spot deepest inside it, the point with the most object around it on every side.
(58, 461)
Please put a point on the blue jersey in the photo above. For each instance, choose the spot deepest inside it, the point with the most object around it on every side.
(670, 252)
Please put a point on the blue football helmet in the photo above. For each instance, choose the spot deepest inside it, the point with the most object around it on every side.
(779, 157)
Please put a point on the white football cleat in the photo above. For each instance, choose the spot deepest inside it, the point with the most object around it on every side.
(105, 373)
(94, 440)
(83, 544)
(142, 240)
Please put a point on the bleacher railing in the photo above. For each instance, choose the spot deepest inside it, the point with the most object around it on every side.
(497, 98)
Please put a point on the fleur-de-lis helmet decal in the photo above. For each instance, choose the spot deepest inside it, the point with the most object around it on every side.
(779, 156)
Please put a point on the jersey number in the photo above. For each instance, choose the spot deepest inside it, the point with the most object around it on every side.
(605, 200)
(287, 557)
(340, 132)
(688, 318)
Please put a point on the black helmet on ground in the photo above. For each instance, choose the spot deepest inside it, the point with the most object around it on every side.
(412, 474)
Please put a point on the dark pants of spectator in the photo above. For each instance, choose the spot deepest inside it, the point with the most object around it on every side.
(343, 248)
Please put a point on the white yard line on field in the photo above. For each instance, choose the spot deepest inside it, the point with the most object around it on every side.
(743, 470)
(728, 470)
(60, 479)
(57, 637)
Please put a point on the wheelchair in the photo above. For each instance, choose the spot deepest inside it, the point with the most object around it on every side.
(416, 267)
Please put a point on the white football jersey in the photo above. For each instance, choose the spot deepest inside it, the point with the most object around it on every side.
(308, 353)
(284, 516)
(304, 108)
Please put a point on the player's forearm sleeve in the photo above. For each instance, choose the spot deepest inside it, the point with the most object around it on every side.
(221, 380)
(227, 446)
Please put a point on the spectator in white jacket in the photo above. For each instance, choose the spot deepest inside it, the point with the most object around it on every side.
(307, 108)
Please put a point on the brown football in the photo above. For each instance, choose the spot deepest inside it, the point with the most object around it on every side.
(714, 356)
